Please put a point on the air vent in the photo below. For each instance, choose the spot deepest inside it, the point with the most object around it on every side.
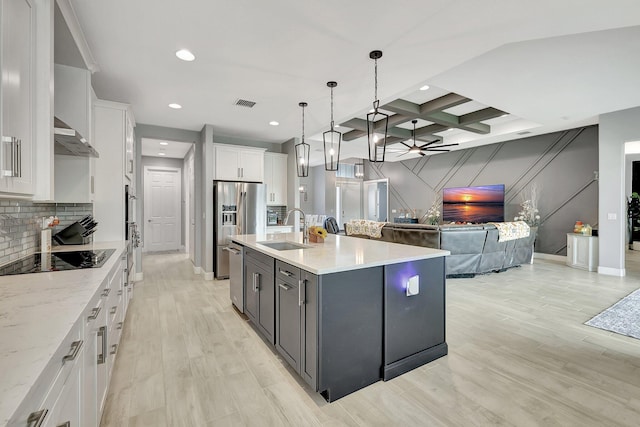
(524, 133)
(245, 103)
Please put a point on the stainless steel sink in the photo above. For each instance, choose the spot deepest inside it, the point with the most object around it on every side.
(283, 245)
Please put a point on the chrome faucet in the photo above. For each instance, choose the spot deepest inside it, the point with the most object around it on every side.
(305, 234)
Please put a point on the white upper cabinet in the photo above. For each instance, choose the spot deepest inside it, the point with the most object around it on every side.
(275, 176)
(17, 53)
(113, 125)
(237, 163)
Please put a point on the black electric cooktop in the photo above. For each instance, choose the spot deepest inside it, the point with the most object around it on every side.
(57, 261)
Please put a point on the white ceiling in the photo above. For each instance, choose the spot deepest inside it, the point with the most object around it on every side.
(172, 149)
(551, 64)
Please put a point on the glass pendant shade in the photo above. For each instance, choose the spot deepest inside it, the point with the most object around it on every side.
(377, 124)
(332, 139)
(377, 121)
(331, 149)
(302, 151)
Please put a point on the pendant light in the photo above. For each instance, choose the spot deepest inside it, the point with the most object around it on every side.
(377, 121)
(332, 140)
(302, 150)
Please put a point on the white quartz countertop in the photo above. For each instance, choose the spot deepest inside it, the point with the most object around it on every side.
(338, 253)
(37, 311)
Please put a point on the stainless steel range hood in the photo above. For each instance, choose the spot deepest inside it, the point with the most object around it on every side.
(69, 142)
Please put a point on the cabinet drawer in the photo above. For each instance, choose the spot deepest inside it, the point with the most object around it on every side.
(265, 261)
(41, 399)
(287, 273)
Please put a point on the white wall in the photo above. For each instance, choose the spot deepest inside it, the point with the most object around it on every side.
(615, 130)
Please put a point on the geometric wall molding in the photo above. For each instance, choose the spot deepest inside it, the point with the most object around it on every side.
(562, 164)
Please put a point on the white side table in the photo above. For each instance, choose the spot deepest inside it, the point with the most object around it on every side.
(582, 251)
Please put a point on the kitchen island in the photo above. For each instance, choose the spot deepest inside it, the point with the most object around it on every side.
(347, 312)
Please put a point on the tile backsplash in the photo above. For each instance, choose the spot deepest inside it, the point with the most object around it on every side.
(20, 224)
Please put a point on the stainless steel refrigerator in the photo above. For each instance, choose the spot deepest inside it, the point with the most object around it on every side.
(239, 208)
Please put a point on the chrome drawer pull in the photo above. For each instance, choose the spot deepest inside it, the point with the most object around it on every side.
(94, 313)
(105, 293)
(119, 291)
(102, 333)
(35, 419)
(283, 286)
(114, 348)
(73, 352)
(113, 309)
(119, 325)
(67, 424)
(286, 273)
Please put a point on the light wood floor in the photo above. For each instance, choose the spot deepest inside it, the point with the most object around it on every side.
(519, 355)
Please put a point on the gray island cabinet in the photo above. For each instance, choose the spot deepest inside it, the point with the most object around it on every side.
(340, 313)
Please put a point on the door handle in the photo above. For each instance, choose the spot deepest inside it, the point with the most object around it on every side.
(301, 299)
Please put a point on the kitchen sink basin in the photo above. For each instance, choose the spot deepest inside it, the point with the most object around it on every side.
(283, 245)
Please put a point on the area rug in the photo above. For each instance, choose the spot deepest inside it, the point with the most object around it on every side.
(623, 317)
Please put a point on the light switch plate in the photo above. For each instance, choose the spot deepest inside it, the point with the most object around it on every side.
(413, 286)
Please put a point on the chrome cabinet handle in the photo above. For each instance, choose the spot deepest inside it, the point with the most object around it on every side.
(73, 351)
(94, 313)
(19, 158)
(119, 291)
(119, 325)
(301, 299)
(283, 286)
(113, 309)
(286, 273)
(114, 348)
(105, 293)
(256, 282)
(35, 419)
(66, 424)
(102, 334)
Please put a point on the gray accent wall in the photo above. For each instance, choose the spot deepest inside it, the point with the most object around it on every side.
(563, 164)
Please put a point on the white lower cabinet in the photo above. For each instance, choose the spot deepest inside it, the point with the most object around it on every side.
(73, 389)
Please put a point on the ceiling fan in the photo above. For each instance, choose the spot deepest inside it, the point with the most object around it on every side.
(420, 149)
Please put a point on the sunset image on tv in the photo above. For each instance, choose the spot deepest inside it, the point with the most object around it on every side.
(473, 204)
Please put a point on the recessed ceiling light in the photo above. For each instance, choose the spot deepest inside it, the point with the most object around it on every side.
(185, 55)
(274, 123)
(175, 106)
(337, 126)
(425, 87)
(161, 154)
(164, 143)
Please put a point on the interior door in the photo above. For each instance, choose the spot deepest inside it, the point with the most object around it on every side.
(192, 210)
(162, 209)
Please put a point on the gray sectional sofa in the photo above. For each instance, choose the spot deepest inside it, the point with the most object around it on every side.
(474, 248)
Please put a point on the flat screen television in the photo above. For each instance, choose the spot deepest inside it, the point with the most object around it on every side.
(484, 203)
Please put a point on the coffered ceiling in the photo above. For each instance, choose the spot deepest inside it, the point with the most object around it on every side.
(550, 65)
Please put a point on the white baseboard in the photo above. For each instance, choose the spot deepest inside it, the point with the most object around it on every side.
(182, 248)
(196, 270)
(138, 277)
(551, 257)
(208, 276)
(619, 272)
